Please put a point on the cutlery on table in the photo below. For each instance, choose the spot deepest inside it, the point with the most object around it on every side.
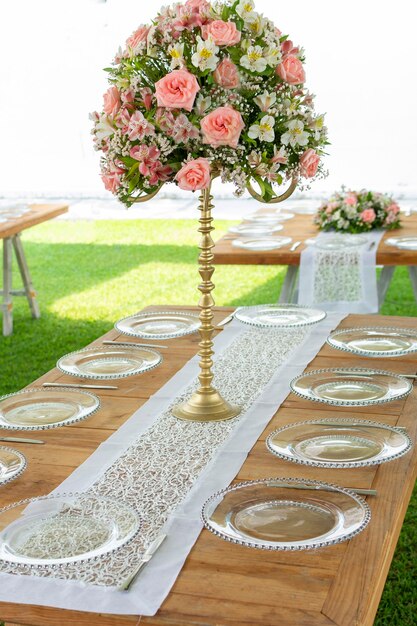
(228, 319)
(148, 554)
(414, 376)
(21, 440)
(373, 244)
(108, 342)
(355, 424)
(76, 385)
(295, 246)
(362, 492)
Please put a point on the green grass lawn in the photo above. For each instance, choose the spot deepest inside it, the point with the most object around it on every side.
(90, 274)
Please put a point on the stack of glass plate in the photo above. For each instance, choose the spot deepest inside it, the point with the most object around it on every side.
(262, 244)
(375, 341)
(164, 325)
(255, 229)
(279, 315)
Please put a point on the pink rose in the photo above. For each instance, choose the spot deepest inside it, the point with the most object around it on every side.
(287, 48)
(112, 102)
(194, 175)
(137, 38)
(226, 74)
(222, 127)
(351, 199)
(393, 208)
(291, 70)
(197, 5)
(309, 162)
(368, 216)
(177, 90)
(222, 33)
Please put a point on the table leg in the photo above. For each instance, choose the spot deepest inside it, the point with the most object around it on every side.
(7, 305)
(412, 271)
(384, 282)
(290, 280)
(27, 280)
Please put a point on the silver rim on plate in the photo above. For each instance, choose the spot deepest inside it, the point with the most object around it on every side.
(243, 315)
(332, 341)
(10, 426)
(211, 505)
(19, 471)
(261, 243)
(143, 316)
(349, 372)
(79, 374)
(256, 229)
(354, 423)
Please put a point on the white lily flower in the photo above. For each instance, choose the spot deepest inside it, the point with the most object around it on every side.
(295, 135)
(265, 100)
(256, 26)
(253, 60)
(205, 56)
(264, 131)
(176, 52)
(202, 104)
(245, 9)
(272, 55)
(104, 128)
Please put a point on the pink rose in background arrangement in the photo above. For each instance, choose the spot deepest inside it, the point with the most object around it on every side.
(222, 33)
(194, 175)
(351, 199)
(291, 70)
(226, 74)
(331, 207)
(112, 101)
(309, 163)
(368, 216)
(393, 208)
(138, 38)
(287, 48)
(222, 127)
(177, 90)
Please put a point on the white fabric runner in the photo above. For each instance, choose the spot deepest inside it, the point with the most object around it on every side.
(183, 524)
(340, 280)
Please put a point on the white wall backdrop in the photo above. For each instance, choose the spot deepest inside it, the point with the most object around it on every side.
(361, 59)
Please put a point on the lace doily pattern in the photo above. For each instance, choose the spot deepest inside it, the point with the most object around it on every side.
(155, 474)
(337, 275)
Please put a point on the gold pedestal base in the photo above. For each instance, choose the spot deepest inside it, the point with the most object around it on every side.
(206, 407)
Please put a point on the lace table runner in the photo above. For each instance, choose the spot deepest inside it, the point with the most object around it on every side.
(343, 279)
(168, 467)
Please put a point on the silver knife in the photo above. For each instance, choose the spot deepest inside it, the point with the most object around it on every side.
(295, 246)
(148, 554)
(21, 440)
(77, 385)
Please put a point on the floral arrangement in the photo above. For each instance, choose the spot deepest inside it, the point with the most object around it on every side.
(207, 89)
(358, 212)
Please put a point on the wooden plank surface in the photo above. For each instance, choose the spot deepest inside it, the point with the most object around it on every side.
(227, 585)
(39, 213)
(300, 228)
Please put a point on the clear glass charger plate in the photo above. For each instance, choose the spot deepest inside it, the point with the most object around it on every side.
(304, 210)
(338, 241)
(262, 218)
(404, 243)
(12, 464)
(106, 362)
(375, 341)
(338, 443)
(279, 315)
(64, 528)
(256, 229)
(262, 243)
(164, 325)
(285, 514)
(40, 409)
(283, 216)
(350, 386)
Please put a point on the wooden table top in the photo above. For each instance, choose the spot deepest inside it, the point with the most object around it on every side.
(300, 228)
(39, 213)
(228, 585)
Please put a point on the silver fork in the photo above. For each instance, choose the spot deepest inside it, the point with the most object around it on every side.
(148, 554)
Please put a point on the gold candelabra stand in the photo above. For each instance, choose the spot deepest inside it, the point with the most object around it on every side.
(206, 404)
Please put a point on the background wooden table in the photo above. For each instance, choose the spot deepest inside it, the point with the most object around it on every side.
(227, 585)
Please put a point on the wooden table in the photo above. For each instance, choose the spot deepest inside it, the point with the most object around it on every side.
(227, 585)
(300, 228)
(10, 233)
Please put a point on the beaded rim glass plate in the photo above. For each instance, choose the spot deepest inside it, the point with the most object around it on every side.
(375, 341)
(41, 408)
(304, 210)
(64, 528)
(256, 229)
(338, 241)
(108, 362)
(285, 514)
(279, 315)
(350, 386)
(338, 443)
(283, 216)
(262, 243)
(262, 218)
(164, 325)
(404, 243)
(12, 464)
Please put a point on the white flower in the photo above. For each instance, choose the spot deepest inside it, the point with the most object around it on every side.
(265, 100)
(256, 26)
(104, 128)
(264, 131)
(295, 135)
(202, 104)
(205, 56)
(318, 127)
(176, 52)
(253, 59)
(272, 55)
(245, 10)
